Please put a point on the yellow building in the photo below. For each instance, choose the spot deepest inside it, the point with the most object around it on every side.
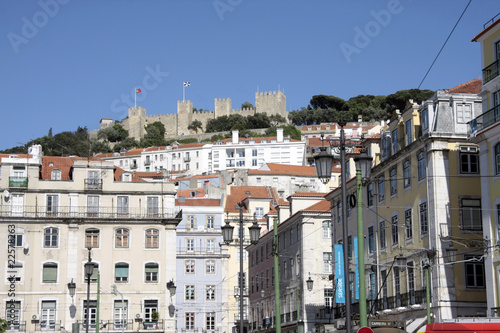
(484, 131)
(422, 206)
(58, 212)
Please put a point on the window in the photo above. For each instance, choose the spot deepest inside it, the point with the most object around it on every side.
(120, 314)
(383, 243)
(49, 272)
(381, 189)
(339, 211)
(395, 141)
(371, 240)
(13, 314)
(189, 322)
(92, 205)
(421, 165)
(150, 306)
(469, 160)
(424, 224)
(369, 194)
(394, 182)
(394, 230)
(210, 321)
(121, 272)
(408, 225)
(464, 113)
(373, 287)
(327, 262)
(121, 238)
(408, 130)
(328, 294)
(259, 212)
(190, 222)
(497, 159)
(411, 282)
(152, 206)
(52, 204)
(48, 316)
(55, 174)
(152, 236)
(189, 265)
(210, 245)
(189, 294)
(327, 229)
(471, 214)
(151, 270)
(122, 205)
(92, 238)
(474, 272)
(210, 292)
(93, 277)
(406, 174)
(190, 244)
(259, 180)
(210, 222)
(210, 266)
(50, 237)
(424, 117)
(397, 286)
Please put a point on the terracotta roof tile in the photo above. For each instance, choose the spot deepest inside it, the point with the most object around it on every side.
(471, 87)
(188, 193)
(306, 194)
(285, 169)
(64, 164)
(118, 175)
(322, 206)
(199, 202)
(240, 193)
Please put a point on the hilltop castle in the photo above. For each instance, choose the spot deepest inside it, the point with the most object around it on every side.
(177, 124)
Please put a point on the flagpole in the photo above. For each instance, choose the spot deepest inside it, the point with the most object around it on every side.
(135, 99)
(183, 92)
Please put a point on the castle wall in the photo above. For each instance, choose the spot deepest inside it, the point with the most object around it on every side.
(177, 124)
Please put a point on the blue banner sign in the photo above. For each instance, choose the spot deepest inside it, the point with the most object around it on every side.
(339, 274)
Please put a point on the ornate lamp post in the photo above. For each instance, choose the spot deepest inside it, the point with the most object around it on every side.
(171, 287)
(363, 171)
(324, 162)
(71, 288)
(227, 235)
(89, 270)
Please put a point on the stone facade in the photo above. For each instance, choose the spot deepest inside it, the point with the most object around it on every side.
(177, 124)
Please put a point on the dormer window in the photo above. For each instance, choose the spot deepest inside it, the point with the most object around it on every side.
(126, 177)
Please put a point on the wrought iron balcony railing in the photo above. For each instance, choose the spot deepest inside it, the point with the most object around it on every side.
(490, 72)
(93, 184)
(87, 212)
(484, 120)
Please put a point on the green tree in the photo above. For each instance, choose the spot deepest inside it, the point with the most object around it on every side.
(247, 105)
(290, 131)
(399, 99)
(258, 120)
(113, 133)
(327, 102)
(195, 125)
(127, 144)
(3, 325)
(276, 119)
(155, 135)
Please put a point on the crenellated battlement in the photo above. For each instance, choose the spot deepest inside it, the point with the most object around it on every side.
(177, 123)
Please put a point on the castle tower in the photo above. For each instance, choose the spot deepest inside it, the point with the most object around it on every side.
(222, 107)
(184, 116)
(271, 103)
(135, 122)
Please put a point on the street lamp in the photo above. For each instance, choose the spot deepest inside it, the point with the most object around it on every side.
(309, 283)
(89, 270)
(227, 235)
(171, 287)
(71, 288)
(323, 162)
(363, 172)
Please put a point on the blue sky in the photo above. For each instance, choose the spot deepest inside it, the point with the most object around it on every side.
(69, 63)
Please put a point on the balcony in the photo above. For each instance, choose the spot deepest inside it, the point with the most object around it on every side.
(18, 182)
(187, 159)
(490, 72)
(84, 212)
(93, 184)
(481, 122)
(16, 327)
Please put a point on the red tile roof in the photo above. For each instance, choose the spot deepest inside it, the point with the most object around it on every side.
(120, 171)
(64, 164)
(258, 139)
(240, 193)
(285, 169)
(322, 206)
(188, 145)
(306, 194)
(471, 87)
(199, 202)
(188, 193)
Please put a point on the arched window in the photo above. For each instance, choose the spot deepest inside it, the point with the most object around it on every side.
(121, 238)
(152, 238)
(151, 270)
(92, 237)
(121, 272)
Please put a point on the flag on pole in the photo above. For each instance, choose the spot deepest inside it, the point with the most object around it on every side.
(187, 84)
(138, 91)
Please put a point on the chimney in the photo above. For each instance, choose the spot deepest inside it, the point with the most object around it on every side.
(279, 132)
(235, 137)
